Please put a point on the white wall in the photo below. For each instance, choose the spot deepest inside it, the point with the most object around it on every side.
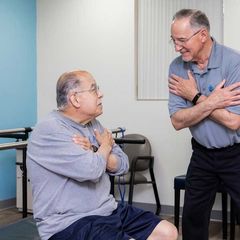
(98, 36)
(231, 13)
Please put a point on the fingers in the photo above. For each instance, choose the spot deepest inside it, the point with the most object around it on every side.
(236, 92)
(234, 103)
(77, 138)
(175, 77)
(104, 137)
(97, 134)
(82, 141)
(171, 85)
(173, 82)
(178, 78)
(190, 75)
(109, 137)
(221, 84)
(233, 86)
(231, 90)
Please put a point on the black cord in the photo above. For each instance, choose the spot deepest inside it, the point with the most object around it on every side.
(122, 190)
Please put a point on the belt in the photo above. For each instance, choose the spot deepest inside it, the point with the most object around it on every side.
(197, 145)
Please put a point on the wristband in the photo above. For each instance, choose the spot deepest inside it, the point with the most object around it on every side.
(94, 148)
(195, 99)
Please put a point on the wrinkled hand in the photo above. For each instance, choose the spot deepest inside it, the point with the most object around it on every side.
(223, 97)
(82, 141)
(105, 137)
(185, 88)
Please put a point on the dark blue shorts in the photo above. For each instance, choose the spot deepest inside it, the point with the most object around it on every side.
(124, 223)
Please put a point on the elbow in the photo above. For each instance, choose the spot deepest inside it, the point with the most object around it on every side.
(234, 125)
(234, 128)
(177, 125)
(96, 175)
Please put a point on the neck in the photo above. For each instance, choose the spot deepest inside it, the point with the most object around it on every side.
(202, 60)
(74, 116)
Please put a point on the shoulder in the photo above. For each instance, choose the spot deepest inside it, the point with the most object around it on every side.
(177, 61)
(231, 63)
(179, 67)
(229, 54)
(49, 125)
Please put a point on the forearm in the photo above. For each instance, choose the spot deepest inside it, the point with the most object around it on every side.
(213, 106)
(111, 159)
(112, 163)
(120, 161)
(191, 116)
(224, 117)
(105, 150)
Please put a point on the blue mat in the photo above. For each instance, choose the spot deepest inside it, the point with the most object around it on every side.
(24, 229)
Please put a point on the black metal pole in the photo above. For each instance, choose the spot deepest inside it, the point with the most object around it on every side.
(24, 183)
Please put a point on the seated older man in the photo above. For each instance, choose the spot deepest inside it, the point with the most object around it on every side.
(70, 157)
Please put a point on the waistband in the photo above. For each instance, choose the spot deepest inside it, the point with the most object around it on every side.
(197, 145)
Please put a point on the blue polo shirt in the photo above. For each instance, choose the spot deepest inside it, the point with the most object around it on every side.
(224, 63)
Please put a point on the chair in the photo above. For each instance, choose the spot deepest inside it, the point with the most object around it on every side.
(140, 159)
(179, 184)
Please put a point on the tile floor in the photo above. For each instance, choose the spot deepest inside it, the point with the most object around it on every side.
(215, 230)
(11, 215)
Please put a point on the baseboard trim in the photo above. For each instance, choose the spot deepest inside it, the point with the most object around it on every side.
(7, 203)
(216, 215)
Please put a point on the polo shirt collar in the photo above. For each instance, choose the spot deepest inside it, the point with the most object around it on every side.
(215, 56)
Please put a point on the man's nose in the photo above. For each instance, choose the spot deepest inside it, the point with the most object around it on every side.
(178, 47)
(100, 94)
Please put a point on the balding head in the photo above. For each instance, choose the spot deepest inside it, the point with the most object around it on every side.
(67, 82)
(197, 18)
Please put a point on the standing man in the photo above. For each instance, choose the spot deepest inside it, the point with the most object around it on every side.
(70, 157)
(205, 97)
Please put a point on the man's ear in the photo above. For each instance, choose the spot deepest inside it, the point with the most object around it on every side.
(74, 101)
(204, 34)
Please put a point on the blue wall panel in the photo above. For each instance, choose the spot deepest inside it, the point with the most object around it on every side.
(17, 79)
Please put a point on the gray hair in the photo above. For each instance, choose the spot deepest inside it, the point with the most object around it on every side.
(197, 18)
(67, 82)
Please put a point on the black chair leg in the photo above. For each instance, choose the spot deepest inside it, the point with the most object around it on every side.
(224, 214)
(176, 207)
(155, 190)
(130, 195)
(232, 220)
(238, 217)
(112, 185)
(156, 198)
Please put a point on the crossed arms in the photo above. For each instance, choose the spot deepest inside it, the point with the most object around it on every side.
(212, 106)
(106, 142)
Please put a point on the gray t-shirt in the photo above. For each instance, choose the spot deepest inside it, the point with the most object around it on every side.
(68, 182)
(224, 63)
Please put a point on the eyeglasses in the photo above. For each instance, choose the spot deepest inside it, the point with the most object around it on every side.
(94, 89)
(182, 41)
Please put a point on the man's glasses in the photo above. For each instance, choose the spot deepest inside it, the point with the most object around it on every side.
(94, 89)
(182, 41)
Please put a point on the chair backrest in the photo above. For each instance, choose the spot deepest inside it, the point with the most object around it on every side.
(136, 150)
